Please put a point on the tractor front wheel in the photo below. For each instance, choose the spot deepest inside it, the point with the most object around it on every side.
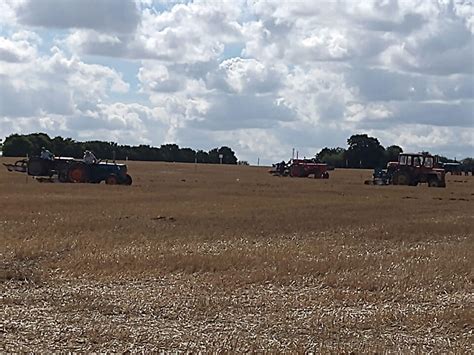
(128, 180)
(62, 176)
(435, 183)
(325, 175)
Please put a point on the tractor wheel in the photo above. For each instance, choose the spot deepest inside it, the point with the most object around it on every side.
(435, 183)
(62, 176)
(128, 180)
(297, 172)
(111, 179)
(413, 183)
(78, 173)
(35, 167)
(401, 179)
(325, 175)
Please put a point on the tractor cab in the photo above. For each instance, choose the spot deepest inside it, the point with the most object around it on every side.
(416, 160)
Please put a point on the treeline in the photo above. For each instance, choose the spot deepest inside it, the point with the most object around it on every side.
(367, 153)
(18, 145)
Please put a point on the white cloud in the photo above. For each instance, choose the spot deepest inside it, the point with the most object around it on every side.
(22, 47)
(187, 33)
(246, 76)
(259, 76)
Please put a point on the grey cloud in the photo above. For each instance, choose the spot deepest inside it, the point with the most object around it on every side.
(106, 15)
(229, 112)
(437, 114)
(9, 56)
(425, 113)
(448, 50)
(110, 49)
(409, 23)
(28, 102)
(84, 122)
(375, 84)
(167, 86)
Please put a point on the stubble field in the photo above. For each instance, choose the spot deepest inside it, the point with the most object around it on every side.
(229, 258)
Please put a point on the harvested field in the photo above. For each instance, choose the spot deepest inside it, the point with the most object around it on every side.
(230, 258)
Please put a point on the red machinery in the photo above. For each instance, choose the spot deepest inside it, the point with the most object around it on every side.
(411, 169)
(301, 168)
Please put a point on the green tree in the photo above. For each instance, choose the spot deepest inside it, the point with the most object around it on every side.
(186, 155)
(31, 144)
(364, 152)
(202, 156)
(391, 153)
(332, 156)
(228, 156)
(169, 152)
(17, 146)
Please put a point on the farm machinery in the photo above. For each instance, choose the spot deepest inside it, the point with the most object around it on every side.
(73, 170)
(301, 168)
(411, 169)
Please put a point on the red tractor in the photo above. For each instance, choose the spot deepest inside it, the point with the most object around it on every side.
(412, 169)
(301, 168)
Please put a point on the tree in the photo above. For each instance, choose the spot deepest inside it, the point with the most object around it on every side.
(186, 155)
(467, 164)
(391, 153)
(228, 156)
(332, 156)
(17, 146)
(170, 152)
(364, 152)
(202, 156)
(31, 144)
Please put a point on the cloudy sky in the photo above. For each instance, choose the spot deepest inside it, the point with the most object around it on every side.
(259, 76)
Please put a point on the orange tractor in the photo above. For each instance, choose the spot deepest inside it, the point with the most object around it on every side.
(411, 169)
(301, 168)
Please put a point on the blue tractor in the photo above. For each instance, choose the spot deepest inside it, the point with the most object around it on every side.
(74, 170)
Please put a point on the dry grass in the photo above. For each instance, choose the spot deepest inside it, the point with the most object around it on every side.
(231, 258)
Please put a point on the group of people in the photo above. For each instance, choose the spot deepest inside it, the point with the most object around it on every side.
(89, 157)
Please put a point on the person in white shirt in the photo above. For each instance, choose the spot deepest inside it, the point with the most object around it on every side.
(46, 154)
(89, 157)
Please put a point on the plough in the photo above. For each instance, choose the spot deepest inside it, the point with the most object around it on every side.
(20, 166)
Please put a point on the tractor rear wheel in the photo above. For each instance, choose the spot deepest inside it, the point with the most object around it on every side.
(401, 178)
(111, 179)
(78, 172)
(434, 182)
(36, 167)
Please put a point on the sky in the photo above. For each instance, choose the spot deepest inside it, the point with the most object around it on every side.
(261, 77)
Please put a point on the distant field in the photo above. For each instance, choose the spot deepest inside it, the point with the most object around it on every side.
(230, 258)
